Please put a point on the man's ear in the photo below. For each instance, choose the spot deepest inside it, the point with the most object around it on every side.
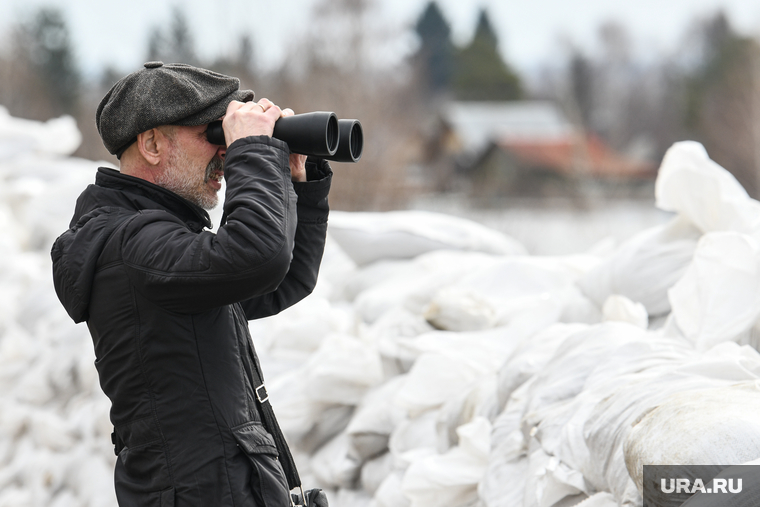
(153, 146)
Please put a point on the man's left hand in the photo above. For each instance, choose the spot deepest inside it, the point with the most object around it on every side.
(297, 161)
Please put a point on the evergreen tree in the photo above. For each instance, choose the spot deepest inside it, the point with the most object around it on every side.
(176, 46)
(581, 87)
(480, 72)
(722, 100)
(436, 54)
(46, 45)
(721, 50)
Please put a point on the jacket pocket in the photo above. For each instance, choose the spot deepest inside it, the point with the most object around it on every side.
(156, 499)
(134, 490)
(142, 475)
(268, 484)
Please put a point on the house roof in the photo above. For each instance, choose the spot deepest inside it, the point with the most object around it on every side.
(575, 155)
(476, 124)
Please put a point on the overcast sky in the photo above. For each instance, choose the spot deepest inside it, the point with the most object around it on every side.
(110, 33)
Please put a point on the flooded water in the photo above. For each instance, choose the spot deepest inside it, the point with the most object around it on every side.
(557, 228)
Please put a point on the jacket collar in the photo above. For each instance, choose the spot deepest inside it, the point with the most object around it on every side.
(147, 195)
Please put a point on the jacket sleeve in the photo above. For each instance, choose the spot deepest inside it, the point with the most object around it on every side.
(311, 231)
(250, 254)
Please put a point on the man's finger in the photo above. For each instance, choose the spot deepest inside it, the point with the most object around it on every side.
(265, 103)
(234, 106)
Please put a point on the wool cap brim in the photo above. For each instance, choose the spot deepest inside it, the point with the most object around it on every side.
(159, 94)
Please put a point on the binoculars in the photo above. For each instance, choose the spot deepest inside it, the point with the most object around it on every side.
(319, 134)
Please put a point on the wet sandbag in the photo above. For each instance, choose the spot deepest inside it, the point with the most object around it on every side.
(711, 426)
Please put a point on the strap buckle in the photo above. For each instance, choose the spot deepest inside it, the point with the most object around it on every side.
(118, 443)
(298, 502)
(258, 395)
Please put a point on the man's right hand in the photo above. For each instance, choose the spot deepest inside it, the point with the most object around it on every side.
(245, 119)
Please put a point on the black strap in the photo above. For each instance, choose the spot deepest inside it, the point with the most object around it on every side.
(270, 423)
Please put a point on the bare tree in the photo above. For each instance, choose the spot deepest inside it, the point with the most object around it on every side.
(334, 69)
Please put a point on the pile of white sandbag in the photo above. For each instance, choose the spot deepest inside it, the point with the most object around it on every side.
(441, 367)
(436, 363)
(55, 446)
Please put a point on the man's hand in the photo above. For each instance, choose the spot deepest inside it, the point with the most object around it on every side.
(245, 119)
(297, 161)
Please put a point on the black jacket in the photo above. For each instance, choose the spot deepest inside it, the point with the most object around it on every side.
(168, 304)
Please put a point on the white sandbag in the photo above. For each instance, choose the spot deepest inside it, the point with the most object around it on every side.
(390, 332)
(566, 392)
(349, 498)
(342, 370)
(51, 431)
(501, 293)
(412, 284)
(718, 298)
(43, 194)
(295, 409)
(503, 484)
(65, 499)
(299, 329)
(565, 374)
(333, 466)
(463, 407)
(645, 266)
(375, 471)
(15, 496)
(59, 136)
(551, 481)
(389, 494)
(34, 386)
(588, 432)
(451, 478)
(414, 438)
(367, 277)
(455, 309)
(600, 499)
(367, 237)
(577, 307)
(720, 425)
(618, 393)
(620, 308)
(327, 424)
(703, 192)
(374, 420)
(529, 357)
(450, 362)
(92, 480)
(336, 267)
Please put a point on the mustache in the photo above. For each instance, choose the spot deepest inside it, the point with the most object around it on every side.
(216, 164)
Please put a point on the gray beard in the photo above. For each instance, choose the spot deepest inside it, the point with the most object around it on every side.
(181, 179)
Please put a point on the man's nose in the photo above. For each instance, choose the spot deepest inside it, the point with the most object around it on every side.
(222, 151)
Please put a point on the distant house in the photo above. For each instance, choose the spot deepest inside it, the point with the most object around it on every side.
(476, 124)
(529, 149)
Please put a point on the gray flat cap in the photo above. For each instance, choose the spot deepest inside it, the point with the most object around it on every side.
(171, 94)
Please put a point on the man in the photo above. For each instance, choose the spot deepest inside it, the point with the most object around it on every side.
(167, 302)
